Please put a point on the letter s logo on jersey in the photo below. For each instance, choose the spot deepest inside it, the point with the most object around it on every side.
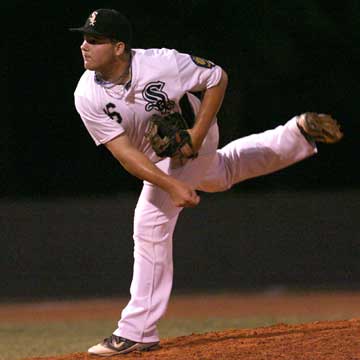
(157, 98)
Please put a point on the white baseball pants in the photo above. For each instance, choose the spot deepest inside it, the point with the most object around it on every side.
(155, 215)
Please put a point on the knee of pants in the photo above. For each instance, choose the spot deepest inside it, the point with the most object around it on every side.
(158, 253)
(153, 225)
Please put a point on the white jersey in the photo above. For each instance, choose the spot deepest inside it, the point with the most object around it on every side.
(159, 78)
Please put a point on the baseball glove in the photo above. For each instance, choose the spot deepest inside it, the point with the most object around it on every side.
(319, 128)
(169, 137)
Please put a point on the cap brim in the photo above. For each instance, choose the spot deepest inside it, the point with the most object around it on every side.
(77, 29)
(85, 31)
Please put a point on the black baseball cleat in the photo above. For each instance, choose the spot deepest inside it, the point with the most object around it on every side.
(115, 345)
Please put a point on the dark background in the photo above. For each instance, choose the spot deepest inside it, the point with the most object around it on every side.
(283, 58)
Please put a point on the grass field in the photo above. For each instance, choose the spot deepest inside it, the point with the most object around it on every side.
(63, 327)
(19, 341)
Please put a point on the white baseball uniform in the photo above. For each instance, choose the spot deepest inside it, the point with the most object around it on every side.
(157, 77)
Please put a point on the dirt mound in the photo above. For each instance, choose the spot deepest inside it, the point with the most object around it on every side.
(338, 340)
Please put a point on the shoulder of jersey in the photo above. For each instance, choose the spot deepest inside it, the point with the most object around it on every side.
(85, 82)
(154, 52)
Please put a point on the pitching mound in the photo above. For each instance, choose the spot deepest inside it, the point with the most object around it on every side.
(339, 340)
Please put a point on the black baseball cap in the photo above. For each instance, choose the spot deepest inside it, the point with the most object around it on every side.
(109, 23)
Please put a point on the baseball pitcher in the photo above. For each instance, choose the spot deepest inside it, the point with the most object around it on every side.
(140, 104)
